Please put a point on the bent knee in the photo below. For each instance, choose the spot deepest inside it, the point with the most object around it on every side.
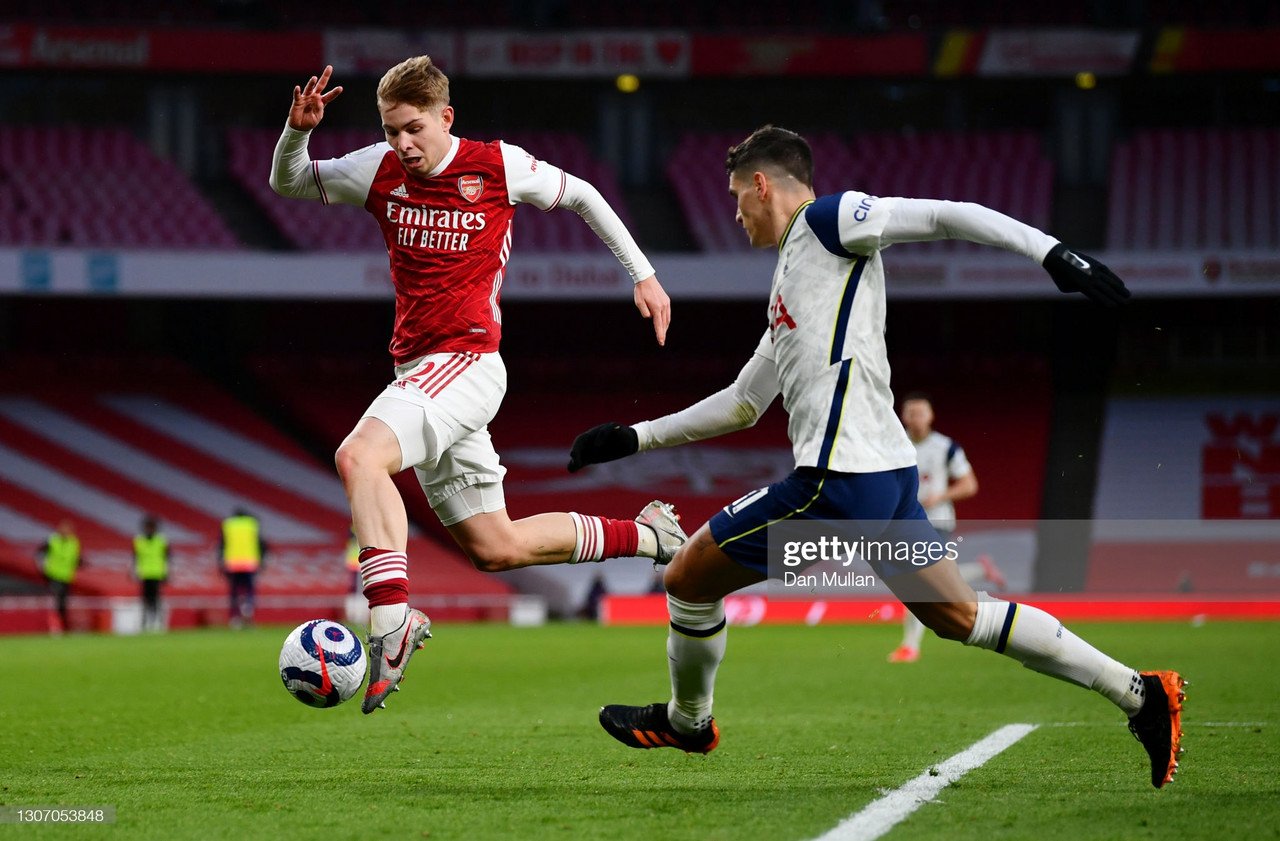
(675, 579)
(355, 456)
(679, 580)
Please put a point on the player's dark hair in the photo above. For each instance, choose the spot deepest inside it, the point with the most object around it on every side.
(917, 395)
(771, 146)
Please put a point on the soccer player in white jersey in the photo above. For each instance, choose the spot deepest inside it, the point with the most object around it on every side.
(445, 206)
(946, 477)
(824, 352)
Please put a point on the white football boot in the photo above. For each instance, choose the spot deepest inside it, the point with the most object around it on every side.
(389, 656)
(665, 522)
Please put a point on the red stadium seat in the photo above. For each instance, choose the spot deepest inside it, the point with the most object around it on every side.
(122, 195)
(1199, 188)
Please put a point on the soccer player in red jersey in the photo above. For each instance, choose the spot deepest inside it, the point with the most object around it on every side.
(445, 206)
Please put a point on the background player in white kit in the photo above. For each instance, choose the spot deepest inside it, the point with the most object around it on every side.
(824, 352)
(946, 477)
(445, 207)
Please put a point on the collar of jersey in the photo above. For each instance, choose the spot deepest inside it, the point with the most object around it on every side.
(447, 159)
(794, 217)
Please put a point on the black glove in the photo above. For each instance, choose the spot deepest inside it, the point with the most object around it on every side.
(1076, 272)
(606, 442)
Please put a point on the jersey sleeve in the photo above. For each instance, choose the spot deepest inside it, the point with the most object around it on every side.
(851, 223)
(957, 463)
(347, 180)
(919, 220)
(531, 181)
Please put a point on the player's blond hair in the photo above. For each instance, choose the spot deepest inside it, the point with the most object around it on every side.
(415, 81)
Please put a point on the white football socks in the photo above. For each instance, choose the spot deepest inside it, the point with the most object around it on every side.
(648, 541)
(912, 631)
(695, 647)
(1041, 643)
(385, 618)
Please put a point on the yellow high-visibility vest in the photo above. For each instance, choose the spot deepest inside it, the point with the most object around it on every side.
(151, 557)
(62, 557)
(353, 554)
(241, 549)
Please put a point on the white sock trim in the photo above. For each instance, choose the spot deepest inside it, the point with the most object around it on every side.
(385, 566)
(588, 538)
(694, 615)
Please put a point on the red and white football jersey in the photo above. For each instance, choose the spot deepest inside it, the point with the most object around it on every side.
(448, 235)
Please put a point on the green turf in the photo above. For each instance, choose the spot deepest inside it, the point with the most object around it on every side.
(190, 735)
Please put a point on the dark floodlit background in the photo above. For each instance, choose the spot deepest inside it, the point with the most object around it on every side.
(175, 339)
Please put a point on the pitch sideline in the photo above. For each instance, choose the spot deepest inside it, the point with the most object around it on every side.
(882, 815)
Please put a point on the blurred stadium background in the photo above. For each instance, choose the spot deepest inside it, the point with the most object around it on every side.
(176, 339)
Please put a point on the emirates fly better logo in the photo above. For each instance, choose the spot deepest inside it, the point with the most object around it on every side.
(471, 186)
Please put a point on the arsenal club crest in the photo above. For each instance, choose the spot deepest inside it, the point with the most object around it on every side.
(471, 186)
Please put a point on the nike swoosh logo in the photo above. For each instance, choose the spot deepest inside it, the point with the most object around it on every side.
(326, 685)
(399, 658)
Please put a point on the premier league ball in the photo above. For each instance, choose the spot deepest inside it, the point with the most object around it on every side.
(322, 663)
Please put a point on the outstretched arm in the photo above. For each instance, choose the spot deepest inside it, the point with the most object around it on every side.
(650, 298)
(728, 410)
(867, 223)
(291, 165)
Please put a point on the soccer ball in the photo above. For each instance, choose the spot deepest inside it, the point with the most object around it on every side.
(322, 663)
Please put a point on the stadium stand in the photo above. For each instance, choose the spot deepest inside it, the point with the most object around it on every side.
(1203, 188)
(115, 193)
(704, 15)
(1007, 171)
(307, 225)
(154, 436)
(312, 226)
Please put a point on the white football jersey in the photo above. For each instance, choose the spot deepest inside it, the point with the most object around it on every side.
(941, 461)
(826, 323)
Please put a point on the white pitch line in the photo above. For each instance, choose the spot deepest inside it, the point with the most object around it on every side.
(884, 814)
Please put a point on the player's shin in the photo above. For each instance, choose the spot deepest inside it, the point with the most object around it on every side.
(1041, 643)
(695, 647)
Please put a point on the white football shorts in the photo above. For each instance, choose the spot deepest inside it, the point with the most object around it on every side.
(439, 408)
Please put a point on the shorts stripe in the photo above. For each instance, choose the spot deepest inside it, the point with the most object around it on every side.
(816, 493)
(455, 363)
(1009, 617)
(468, 358)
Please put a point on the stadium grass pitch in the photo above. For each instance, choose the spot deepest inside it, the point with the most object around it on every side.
(190, 735)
